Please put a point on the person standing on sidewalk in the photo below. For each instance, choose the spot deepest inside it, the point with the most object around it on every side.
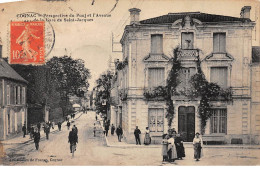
(24, 130)
(37, 137)
(172, 153)
(137, 133)
(106, 128)
(179, 146)
(31, 131)
(147, 138)
(94, 130)
(112, 129)
(197, 145)
(119, 133)
(59, 126)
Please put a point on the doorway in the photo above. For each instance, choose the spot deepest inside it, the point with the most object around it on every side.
(186, 122)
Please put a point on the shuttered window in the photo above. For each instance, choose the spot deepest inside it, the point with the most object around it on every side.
(8, 102)
(218, 121)
(156, 77)
(219, 42)
(156, 44)
(187, 40)
(219, 75)
(155, 119)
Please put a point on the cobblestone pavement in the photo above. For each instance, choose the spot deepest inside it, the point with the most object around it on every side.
(94, 151)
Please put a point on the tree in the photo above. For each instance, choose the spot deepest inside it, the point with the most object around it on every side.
(103, 92)
(72, 78)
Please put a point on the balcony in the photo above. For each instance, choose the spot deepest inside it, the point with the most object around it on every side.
(188, 54)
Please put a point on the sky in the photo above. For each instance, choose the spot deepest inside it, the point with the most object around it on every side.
(91, 41)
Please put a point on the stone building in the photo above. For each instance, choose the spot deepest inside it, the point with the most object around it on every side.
(13, 108)
(224, 46)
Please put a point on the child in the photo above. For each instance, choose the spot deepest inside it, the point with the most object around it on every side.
(165, 148)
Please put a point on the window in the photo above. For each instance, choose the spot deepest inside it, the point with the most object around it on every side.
(219, 42)
(218, 121)
(185, 75)
(187, 40)
(157, 44)
(156, 119)
(15, 96)
(219, 76)
(18, 95)
(23, 95)
(155, 77)
(8, 95)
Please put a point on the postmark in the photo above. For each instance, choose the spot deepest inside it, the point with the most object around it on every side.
(27, 42)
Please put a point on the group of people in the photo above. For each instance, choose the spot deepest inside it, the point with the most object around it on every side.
(173, 149)
(147, 137)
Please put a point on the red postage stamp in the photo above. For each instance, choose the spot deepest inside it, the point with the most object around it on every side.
(27, 42)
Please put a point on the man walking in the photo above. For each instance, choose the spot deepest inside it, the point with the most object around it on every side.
(119, 133)
(106, 128)
(24, 130)
(47, 131)
(112, 129)
(59, 126)
(39, 126)
(137, 133)
(37, 138)
(73, 139)
(68, 125)
(76, 129)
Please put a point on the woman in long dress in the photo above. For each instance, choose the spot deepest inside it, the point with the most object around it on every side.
(147, 138)
(165, 147)
(197, 145)
(179, 146)
(172, 153)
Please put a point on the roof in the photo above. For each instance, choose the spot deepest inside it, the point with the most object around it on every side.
(203, 17)
(255, 54)
(6, 71)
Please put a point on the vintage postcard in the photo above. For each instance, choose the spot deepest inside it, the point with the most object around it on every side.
(130, 82)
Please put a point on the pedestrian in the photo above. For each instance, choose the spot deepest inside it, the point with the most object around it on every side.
(94, 130)
(37, 137)
(68, 125)
(39, 126)
(165, 147)
(76, 129)
(73, 139)
(31, 131)
(24, 130)
(179, 146)
(47, 131)
(59, 126)
(96, 117)
(52, 124)
(147, 138)
(172, 153)
(119, 133)
(197, 145)
(137, 133)
(112, 129)
(106, 128)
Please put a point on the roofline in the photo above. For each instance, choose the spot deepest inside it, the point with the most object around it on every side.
(17, 80)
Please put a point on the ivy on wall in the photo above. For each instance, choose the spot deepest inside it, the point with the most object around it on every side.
(199, 88)
(120, 65)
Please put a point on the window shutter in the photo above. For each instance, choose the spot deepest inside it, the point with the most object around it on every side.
(156, 44)
(218, 75)
(222, 42)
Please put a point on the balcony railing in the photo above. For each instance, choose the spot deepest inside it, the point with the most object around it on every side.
(188, 53)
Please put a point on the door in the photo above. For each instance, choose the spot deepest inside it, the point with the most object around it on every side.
(186, 122)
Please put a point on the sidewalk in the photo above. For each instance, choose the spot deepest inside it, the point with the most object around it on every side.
(112, 141)
(19, 139)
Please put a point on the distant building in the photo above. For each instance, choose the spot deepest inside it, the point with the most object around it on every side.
(13, 106)
(224, 46)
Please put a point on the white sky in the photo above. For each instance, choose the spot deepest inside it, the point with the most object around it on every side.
(91, 41)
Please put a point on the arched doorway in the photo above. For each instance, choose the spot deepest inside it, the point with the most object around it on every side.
(186, 122)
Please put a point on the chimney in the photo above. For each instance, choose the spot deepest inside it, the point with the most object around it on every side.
(134, 15)
(245, 12)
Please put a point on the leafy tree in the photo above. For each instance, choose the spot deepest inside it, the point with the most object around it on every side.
(103, 92)
(72, 78)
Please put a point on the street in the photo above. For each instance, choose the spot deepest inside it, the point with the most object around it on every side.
(93, 151)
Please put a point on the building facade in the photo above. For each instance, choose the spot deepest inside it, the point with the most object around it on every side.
(224, 46)
(13, 107)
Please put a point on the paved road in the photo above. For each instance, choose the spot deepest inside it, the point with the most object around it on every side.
(92, 151)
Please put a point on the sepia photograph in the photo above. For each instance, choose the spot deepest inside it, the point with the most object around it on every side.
(130, 83)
